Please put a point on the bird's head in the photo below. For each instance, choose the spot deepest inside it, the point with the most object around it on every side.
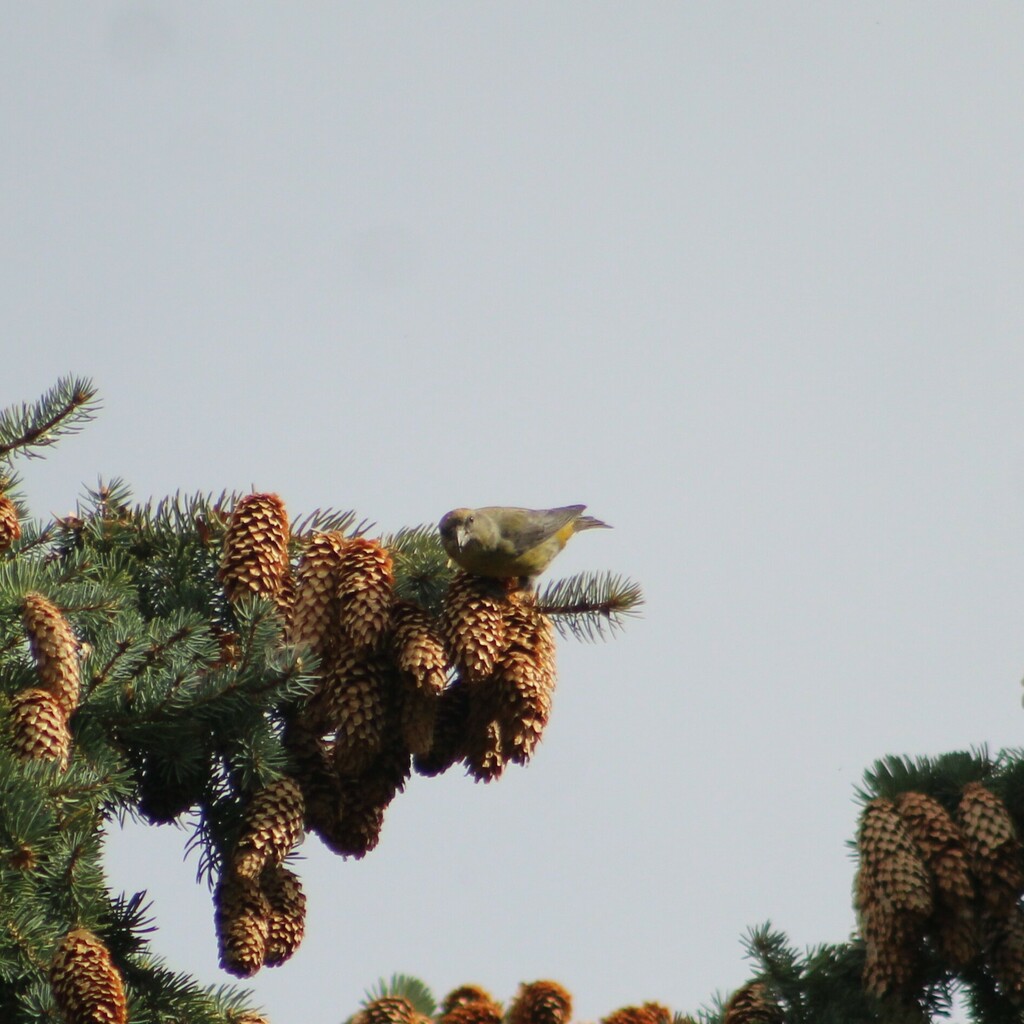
(455, 527)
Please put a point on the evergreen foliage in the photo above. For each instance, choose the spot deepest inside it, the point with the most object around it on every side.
(136, 682)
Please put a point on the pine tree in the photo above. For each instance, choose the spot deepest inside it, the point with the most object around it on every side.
(208, 660)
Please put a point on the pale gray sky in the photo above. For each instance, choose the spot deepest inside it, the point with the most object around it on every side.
(744, 278)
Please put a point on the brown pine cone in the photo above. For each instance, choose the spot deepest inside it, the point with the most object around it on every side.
(473, 624)
(255, 556)
(286, 921)
(942, 849)
(242, 917)
(313, 616)
(10, 528)
(893, 896)
(387, 1010)
(39, 730)
(649, 1013)
(470, 1004)
(54, 649)
(273, 824)
(451, 725)
(417, 648)
(541, 1002)
(364, 593)
(87, 987)
(752, 1004)
(993, 847)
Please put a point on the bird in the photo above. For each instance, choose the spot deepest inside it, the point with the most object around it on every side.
(504, 542)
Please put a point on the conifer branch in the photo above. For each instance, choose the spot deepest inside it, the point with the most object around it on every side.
(590, 606)
(64, 409)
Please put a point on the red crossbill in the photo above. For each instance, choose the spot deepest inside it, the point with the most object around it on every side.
(504, 542)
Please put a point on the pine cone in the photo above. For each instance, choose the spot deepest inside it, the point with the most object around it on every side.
(286, 921)
(362, 697)
(469, 1010)
(1005, 957)
(649, 1013)
(364, 593)
(473, 624)
(451, 724)
(485, 757)
(87, 987)
(364, 799)
(893, 895)
(314, 609)
(463, 996)
(255, 556)
(523, 698)
(54, 648)
(10, 528)
(245, 1017)
(313, 762)
(39, 730)
(418, 716)
(242, 918)
(417, 649)
(942, 850)
(993, 847)
(541, 1002)
(752, 1004)
(273, 824)
(387, 1010)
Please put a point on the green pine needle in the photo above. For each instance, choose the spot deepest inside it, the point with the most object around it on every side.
(591, 606)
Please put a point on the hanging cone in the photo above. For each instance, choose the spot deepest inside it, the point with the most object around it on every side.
(752, 1004)
(364, 799)
(313, 765)
(242, 918)
(10, 528)
(525, 677)
(1005, 954)
(364, 593)
(273, 824)
(255, 556)
(39, 730)
(993, 847)
(893, 897)
(451, 723)
(355, 702)
(387, 1010)
(286, 921)
(54, 649)
(941, 846)
(541, 1002)
(86, 985)
(417, 718)
(649, 1013)
(473, 624)
(485, 755)
(313, 616)
(417, 649)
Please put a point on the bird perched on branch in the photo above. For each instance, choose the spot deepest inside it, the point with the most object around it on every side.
(505, 542)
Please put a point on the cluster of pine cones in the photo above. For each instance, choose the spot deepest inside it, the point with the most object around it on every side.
(951, 881)
(539, 1002)
(39, 714)
(398, 688)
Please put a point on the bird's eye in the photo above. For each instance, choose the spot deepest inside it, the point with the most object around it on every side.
(469, 519)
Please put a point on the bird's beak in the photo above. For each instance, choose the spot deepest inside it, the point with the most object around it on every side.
(460, 537)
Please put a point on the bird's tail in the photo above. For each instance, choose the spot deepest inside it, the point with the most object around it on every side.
(590, 523)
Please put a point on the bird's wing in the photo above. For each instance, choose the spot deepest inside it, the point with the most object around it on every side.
(535, 526)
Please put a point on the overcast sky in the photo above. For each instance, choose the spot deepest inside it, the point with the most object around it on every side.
(744, 278)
